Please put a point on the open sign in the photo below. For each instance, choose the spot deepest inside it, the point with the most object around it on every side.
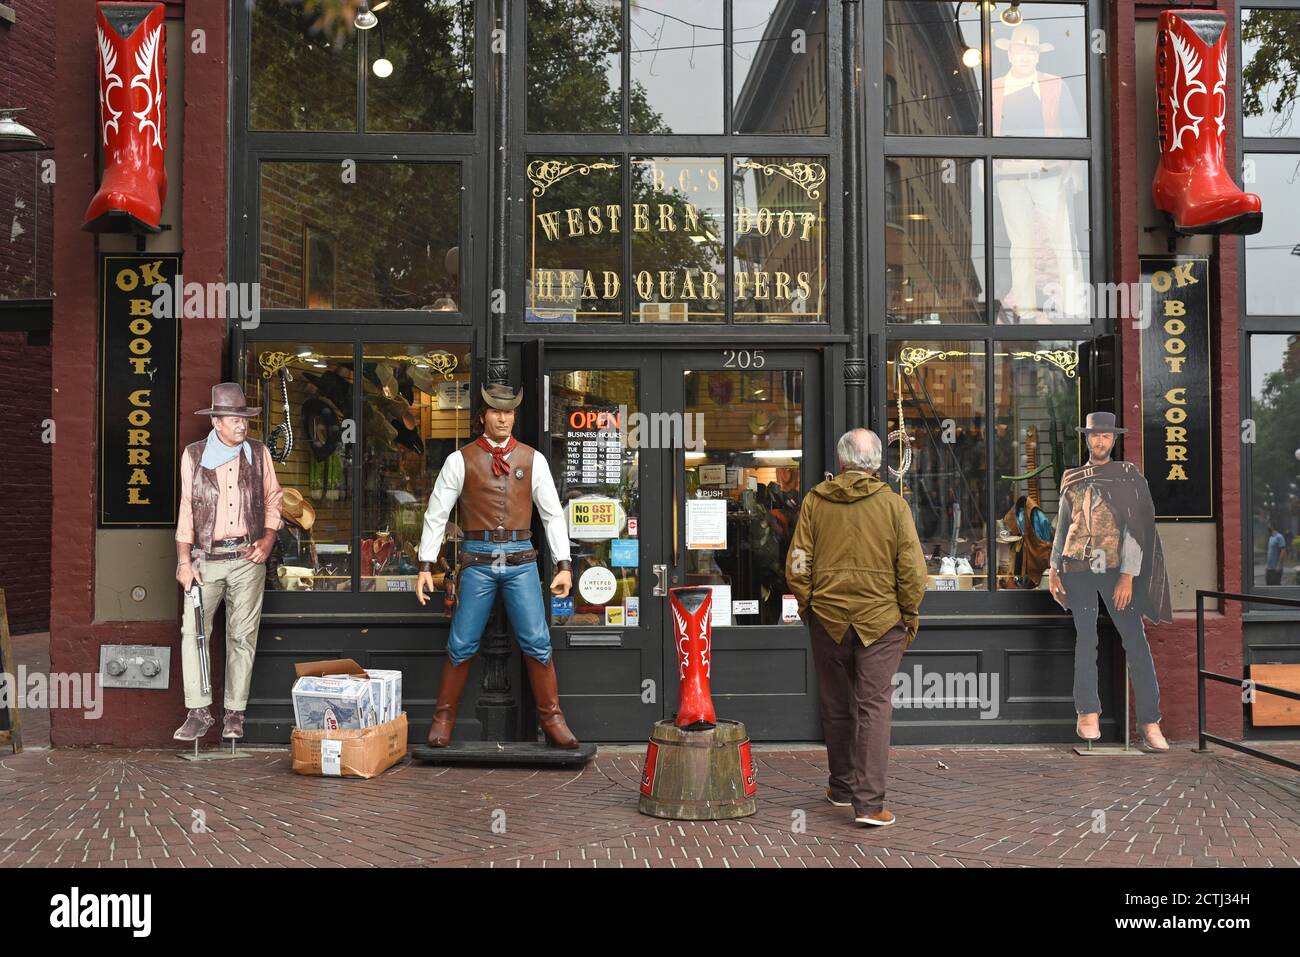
(586, 420)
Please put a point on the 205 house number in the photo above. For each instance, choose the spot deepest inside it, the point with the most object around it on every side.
(743, 359)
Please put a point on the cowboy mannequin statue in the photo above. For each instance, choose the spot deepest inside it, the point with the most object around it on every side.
(1106, 542)
(497, 479)
(227, 522)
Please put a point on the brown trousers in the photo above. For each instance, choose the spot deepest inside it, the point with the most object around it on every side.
(857, 687)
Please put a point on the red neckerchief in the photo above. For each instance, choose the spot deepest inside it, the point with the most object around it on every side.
(499, 464)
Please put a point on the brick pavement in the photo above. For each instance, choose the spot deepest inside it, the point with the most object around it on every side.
(958, 807)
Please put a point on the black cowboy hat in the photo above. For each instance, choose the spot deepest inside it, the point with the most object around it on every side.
(321, 424)
(1100, 422)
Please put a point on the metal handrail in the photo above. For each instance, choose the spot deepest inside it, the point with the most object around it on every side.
(1202, 674)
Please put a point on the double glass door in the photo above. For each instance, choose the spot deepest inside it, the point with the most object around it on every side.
(680, 468)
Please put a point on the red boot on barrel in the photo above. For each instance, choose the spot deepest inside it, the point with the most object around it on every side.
(692, 608)
(1192, 184)
(131, 40)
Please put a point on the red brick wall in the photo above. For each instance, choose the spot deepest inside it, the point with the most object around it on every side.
(130, 718)
(1173, 646)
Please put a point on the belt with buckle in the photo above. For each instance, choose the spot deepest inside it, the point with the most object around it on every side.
(1075, 565)
(499, 534)
(226, 549)
(508, 558)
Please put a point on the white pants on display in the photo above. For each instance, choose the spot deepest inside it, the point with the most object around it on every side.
(1035, 210)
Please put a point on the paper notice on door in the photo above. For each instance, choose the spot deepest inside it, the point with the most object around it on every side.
(789, 610)
(706, 523)
(331, 758)
(745, 607)
(632, 611)
(613, 616)
(721, 613)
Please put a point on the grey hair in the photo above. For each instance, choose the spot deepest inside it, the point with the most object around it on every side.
(859, 449)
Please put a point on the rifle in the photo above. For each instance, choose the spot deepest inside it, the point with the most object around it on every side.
(195, 596)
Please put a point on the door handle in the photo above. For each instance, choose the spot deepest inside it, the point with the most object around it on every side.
(661, 580)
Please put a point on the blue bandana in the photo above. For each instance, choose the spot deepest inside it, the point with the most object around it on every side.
(217, 453)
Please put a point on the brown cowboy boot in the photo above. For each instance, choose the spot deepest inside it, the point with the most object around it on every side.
(549, 716)
(196, 725)
(454, 678)
(232, 725)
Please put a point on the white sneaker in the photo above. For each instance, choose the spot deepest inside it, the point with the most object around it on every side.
(963, 567)
(947, 567)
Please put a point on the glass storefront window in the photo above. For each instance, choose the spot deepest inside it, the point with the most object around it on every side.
(1040, 71)
(678, 239)
(305, 392)
(575, 67)
(1273, 253)
(1275, 459)
(764, 54)
(420, 74)
(1041, 233)
(676, 228)
(935, 454)
(304, 70)
(932, 68)
(597, 477)
(779, 232)
(415, 412)
(1037, 398)
(934, 240)
(575, 244)
(28, 261)
(1269, 63)
(341, 234)
(676, 66)
(752, 426)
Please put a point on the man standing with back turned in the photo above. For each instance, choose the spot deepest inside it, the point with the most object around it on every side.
(856, 568)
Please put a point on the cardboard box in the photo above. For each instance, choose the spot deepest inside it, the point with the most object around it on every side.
(362, 753)
(386, 693)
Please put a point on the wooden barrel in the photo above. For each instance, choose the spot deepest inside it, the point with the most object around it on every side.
(698, 775)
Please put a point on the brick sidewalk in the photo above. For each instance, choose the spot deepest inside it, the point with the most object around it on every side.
(985, 807)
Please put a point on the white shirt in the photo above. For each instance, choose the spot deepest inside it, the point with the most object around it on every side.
(446, 493)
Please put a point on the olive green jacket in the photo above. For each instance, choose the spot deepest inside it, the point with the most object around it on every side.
(855, 558)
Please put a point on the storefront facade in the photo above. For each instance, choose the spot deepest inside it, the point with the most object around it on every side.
(705, 252)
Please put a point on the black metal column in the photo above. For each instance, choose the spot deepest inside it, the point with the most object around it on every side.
(855, 363)
(497, 708)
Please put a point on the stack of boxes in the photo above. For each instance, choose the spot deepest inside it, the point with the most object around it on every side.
(349, 721)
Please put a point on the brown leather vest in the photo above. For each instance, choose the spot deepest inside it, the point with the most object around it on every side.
(489, 501)
(205, 491)
(1092, 527)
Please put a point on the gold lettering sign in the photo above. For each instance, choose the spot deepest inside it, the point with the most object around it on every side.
(675, 217)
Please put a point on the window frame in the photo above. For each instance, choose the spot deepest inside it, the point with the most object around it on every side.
(726, 146)
(881, 147)
(1249, 325)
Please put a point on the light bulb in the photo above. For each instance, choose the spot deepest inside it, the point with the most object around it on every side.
(383, 67)
(365, 19)
(970, 57)
(1012, 16)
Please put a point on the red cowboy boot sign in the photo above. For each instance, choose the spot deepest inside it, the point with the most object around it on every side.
(1192, 183)
(131, 39)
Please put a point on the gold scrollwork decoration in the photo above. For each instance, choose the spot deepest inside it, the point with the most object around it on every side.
(443, 362)
(807, 176)
(273, 362)
(546, 173)
(1067, 360)
(910, 359)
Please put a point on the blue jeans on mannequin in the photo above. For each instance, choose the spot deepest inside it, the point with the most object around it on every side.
(1081, 589)
(520, 587)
